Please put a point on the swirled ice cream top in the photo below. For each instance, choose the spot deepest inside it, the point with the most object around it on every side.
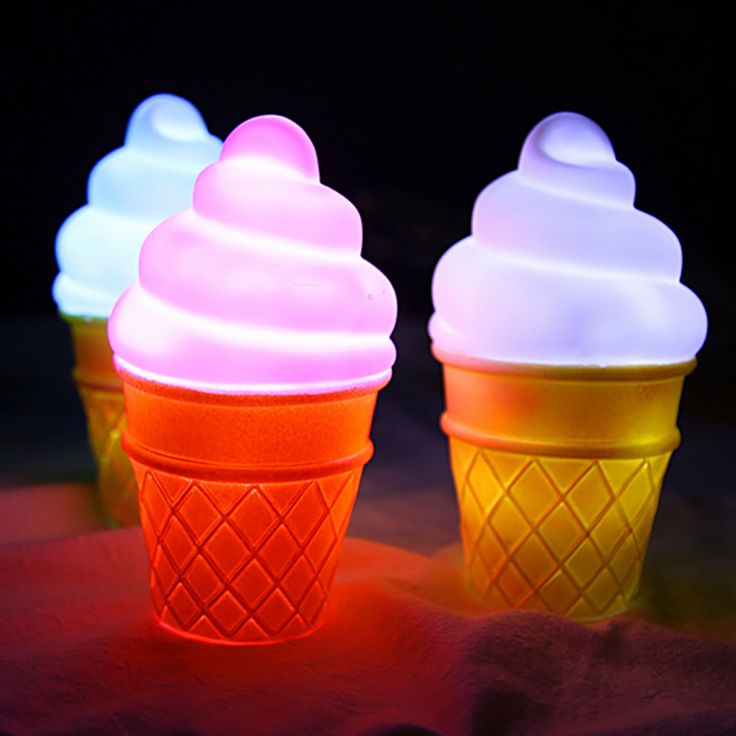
(260, 287)
(130, 191)
(561, 268)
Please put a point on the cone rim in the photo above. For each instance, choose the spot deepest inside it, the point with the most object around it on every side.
(243, 472)
(643, 372)
(82, 318)
(564, 450)
(182, 393)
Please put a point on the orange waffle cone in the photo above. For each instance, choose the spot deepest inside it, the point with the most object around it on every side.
(245, 501)
(101, 392)
(558, 473)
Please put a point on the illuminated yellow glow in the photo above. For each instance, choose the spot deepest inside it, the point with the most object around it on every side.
(558, 473)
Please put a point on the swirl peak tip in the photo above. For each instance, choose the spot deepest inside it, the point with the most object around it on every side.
(165, 117)
(571, 154)
(571, 138)
(273, 142)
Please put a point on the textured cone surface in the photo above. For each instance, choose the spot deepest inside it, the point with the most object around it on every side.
(567, 535)
(243, 562)
(116, 486)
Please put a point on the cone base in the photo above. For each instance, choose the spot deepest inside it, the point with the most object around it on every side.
(561, 534)
(558, 471)
(116, 488)
(243, 563)
(229, 643)
(101, 392)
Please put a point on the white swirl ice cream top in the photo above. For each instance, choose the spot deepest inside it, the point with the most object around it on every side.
(260, 287)
(130, 191)
(561, 268)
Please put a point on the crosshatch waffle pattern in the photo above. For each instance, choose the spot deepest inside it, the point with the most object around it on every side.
(116, 484)
(242, 562)
(567, 535)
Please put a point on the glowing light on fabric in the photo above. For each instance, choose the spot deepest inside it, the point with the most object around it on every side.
(130, 191)
(561, 268)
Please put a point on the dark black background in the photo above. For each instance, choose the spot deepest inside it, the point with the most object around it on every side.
(413, 109)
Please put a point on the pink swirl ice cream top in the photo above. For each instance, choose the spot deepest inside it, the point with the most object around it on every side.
(260, 287)
(561, 268)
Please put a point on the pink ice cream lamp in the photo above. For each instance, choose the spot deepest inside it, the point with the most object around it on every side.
(251, 350)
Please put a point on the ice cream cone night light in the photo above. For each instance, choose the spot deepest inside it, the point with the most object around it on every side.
(251, 350)
(130, 191)
(565, 336)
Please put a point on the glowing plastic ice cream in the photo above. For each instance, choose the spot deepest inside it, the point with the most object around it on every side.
(260, 286)
(561, 268)
(565, 336)
(130, 191)
(252, 349)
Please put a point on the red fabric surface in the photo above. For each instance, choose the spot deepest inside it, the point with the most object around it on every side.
(405, 649)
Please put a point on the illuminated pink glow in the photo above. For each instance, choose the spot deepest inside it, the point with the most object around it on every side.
(277, 205)
(275, 139)
(561, 268)
(260, 286)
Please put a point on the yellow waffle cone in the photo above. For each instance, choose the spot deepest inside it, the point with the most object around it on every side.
(558, 473)
(101, 392)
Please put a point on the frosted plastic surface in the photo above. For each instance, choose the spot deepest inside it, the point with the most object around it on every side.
(260, 286)
(130, 191)
(561, 268)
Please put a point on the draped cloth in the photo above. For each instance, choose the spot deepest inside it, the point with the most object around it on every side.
(405, 649)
